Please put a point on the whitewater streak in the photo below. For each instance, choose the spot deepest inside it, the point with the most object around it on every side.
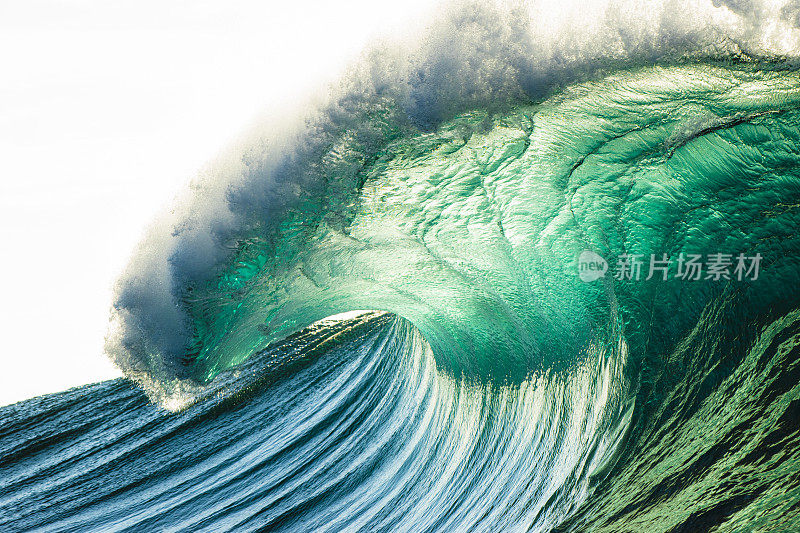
(454, 183)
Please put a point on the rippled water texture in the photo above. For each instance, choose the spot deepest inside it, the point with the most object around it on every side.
(490, 387)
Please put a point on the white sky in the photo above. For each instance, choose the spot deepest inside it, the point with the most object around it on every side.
(107, 109)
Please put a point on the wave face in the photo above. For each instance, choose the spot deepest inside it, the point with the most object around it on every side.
(472, 231)
(366, 434)
(501, 381)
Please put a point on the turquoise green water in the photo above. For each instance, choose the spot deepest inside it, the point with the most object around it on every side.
(472, 232)
(620, 404)
(457, 291)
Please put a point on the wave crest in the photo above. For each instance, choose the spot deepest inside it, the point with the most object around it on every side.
(434, 186)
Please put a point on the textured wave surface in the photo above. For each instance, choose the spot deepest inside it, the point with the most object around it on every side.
(367, 436)
(492, 388)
